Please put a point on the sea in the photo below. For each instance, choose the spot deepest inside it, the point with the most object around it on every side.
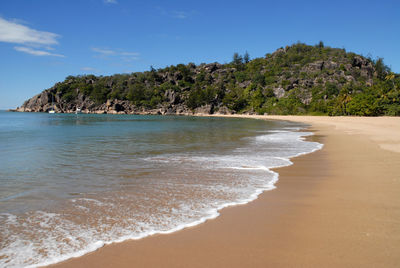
(70, 184)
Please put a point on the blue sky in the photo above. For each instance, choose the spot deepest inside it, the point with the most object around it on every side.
(43, 41)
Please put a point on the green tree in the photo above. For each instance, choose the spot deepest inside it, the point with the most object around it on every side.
(390, 77)
(237, 60)
(364, 104)
(381, 68)
(136, 93)
(257, 99)
(246, 57)
(343, 99)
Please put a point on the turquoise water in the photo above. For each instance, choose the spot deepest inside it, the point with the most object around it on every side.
(72, 183)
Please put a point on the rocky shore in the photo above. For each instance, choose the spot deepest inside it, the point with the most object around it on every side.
(40, 103)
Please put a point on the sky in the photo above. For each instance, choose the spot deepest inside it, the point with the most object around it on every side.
(44, 41)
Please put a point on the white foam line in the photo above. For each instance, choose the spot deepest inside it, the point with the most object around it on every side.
(251, 168)
(213, 213)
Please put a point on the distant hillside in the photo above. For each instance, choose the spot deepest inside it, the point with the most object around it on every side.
(297, 79)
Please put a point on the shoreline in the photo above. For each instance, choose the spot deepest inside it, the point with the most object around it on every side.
(126, 254)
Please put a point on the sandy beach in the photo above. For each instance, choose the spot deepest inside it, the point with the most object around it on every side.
(337, 207)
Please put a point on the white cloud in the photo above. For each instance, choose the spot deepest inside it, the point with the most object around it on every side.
(110, 1)
(37, 52)
(176, 14)
(13, 32)
(179, 14)
(122, 55)
(129, 53)
(37, 43)
(103, 51)
(129, 56)
(89, 69)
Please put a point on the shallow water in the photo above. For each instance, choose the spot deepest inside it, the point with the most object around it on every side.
(72, 183)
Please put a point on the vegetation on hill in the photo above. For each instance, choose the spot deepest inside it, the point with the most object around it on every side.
(297, 79)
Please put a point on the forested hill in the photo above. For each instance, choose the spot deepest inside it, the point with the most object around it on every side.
(297, 79)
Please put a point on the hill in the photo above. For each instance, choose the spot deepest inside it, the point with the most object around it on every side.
(297, 79)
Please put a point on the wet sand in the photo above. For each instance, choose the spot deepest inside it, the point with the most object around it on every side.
(337, 207)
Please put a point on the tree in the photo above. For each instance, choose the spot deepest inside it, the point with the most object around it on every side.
(390, 77)
(136, 93)
(246, 57)
(237, 59)
(381, 68)
(364, 104)
(344, 99)
(257, 99)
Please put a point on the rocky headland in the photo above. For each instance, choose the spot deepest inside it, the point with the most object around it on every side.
(297, 79)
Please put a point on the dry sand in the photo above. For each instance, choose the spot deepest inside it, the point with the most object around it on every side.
(337, 207)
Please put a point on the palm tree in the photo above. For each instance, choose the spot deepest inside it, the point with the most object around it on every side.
(344, 99)
(390, 77)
